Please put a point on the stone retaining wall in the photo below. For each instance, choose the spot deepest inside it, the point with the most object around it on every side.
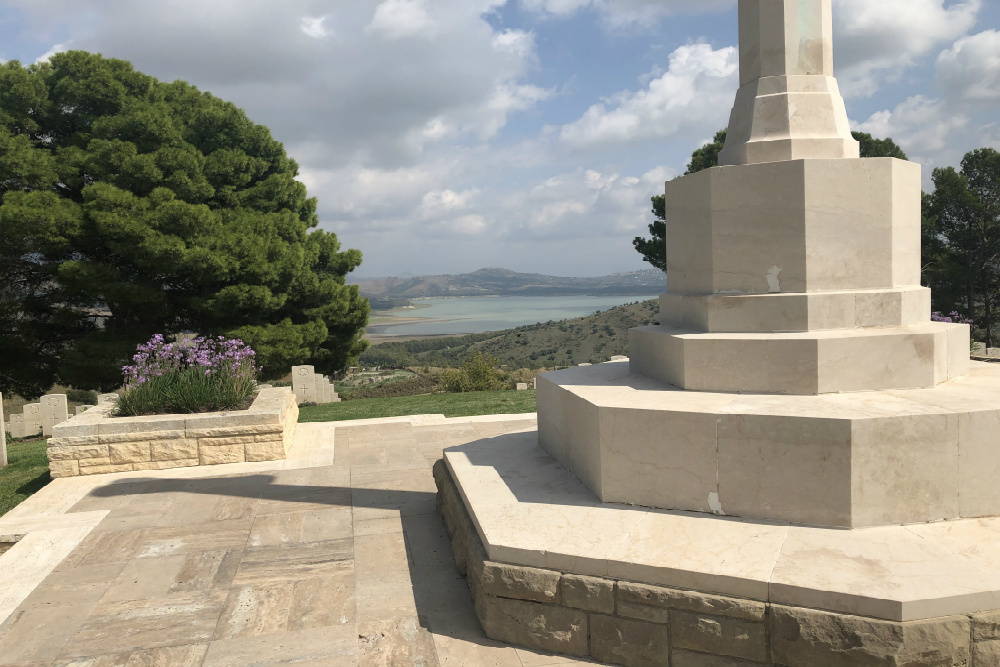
(94, 442)
(640, 625)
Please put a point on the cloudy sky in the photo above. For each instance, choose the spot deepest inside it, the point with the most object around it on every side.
(442, 136)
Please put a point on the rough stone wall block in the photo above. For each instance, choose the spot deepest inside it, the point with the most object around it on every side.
(587, 593)
(808, 638)
(534, 625)
(719, 635)
(627, 642)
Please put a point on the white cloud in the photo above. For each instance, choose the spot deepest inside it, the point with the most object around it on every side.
(47, 56)
(313, 27)
(919, 125)
(621, 13)
(396, 19)
(878, 40)
(970, 69)
(697, 89)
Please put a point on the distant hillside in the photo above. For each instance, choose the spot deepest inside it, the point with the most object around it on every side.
(592, 339)
(500, 282)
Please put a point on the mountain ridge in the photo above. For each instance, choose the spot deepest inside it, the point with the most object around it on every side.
(496, 281)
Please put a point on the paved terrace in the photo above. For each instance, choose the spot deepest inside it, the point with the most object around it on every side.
(333, 557)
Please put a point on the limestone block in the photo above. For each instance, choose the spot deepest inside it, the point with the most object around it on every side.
(811, 362)
(16, 426)
(130, 452)
(78, 453)
(95, 461)
(847, 460)
(231, 431)
(692, 601)
(80, 409)
(644, 612)
(264, 451)
(533, 625)
(806, 638)
(778, 313)
(276, 436)
(150, 436)
(719, 635)
(75, 441)
(233, 440)
(64, 468)
(985, 626)
(626, 642)
(986, 654)
(143, 427)
(55, 410)
(799, 226)
(221, 454)
(264, 386)
(174, 449)
(165, 465)
(107, 398)
(32, 419)
(587, 593)
(104, 469)
(522, 583)
(681, 658)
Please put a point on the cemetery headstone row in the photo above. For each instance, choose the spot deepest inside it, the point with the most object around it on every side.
(41, 417)
(309, 387)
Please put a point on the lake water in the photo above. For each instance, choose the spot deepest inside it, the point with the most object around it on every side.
(475, 314)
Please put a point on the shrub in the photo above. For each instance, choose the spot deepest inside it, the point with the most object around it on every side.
(199, 375)
(82, 396)
(480, 373)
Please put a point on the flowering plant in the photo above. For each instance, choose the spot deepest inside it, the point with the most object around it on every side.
(190, 375)
(954, 318)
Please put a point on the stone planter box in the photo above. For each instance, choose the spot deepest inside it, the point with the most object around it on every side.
(94, 442)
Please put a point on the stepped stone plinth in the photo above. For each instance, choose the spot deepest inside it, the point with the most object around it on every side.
(796, 467)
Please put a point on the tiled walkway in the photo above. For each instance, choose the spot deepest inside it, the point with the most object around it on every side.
(333, 557)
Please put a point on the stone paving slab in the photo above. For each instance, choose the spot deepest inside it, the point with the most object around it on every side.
(335, 556)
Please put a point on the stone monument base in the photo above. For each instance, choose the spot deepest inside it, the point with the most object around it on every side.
(551, 567)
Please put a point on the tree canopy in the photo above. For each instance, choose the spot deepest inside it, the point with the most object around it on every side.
(961, 240)
(654, 248)
(132, 207)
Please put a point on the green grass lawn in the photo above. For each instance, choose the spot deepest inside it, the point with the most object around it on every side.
(450, 405)
(27, 471)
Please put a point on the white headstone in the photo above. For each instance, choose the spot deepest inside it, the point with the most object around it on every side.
(304, 383)
(993, 352)
(3, 437)
(32, 419)
(522, 386)
(979, 349)
(16, 426)
(55, 410)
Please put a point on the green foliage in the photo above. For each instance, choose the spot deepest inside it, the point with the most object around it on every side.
(82, 396)
(654, 249)
(707, 156)
(186, 391)
(872, 147)
(411, 387)
(961, 230)
(132, 206)
(450, 405)
(481, 372)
